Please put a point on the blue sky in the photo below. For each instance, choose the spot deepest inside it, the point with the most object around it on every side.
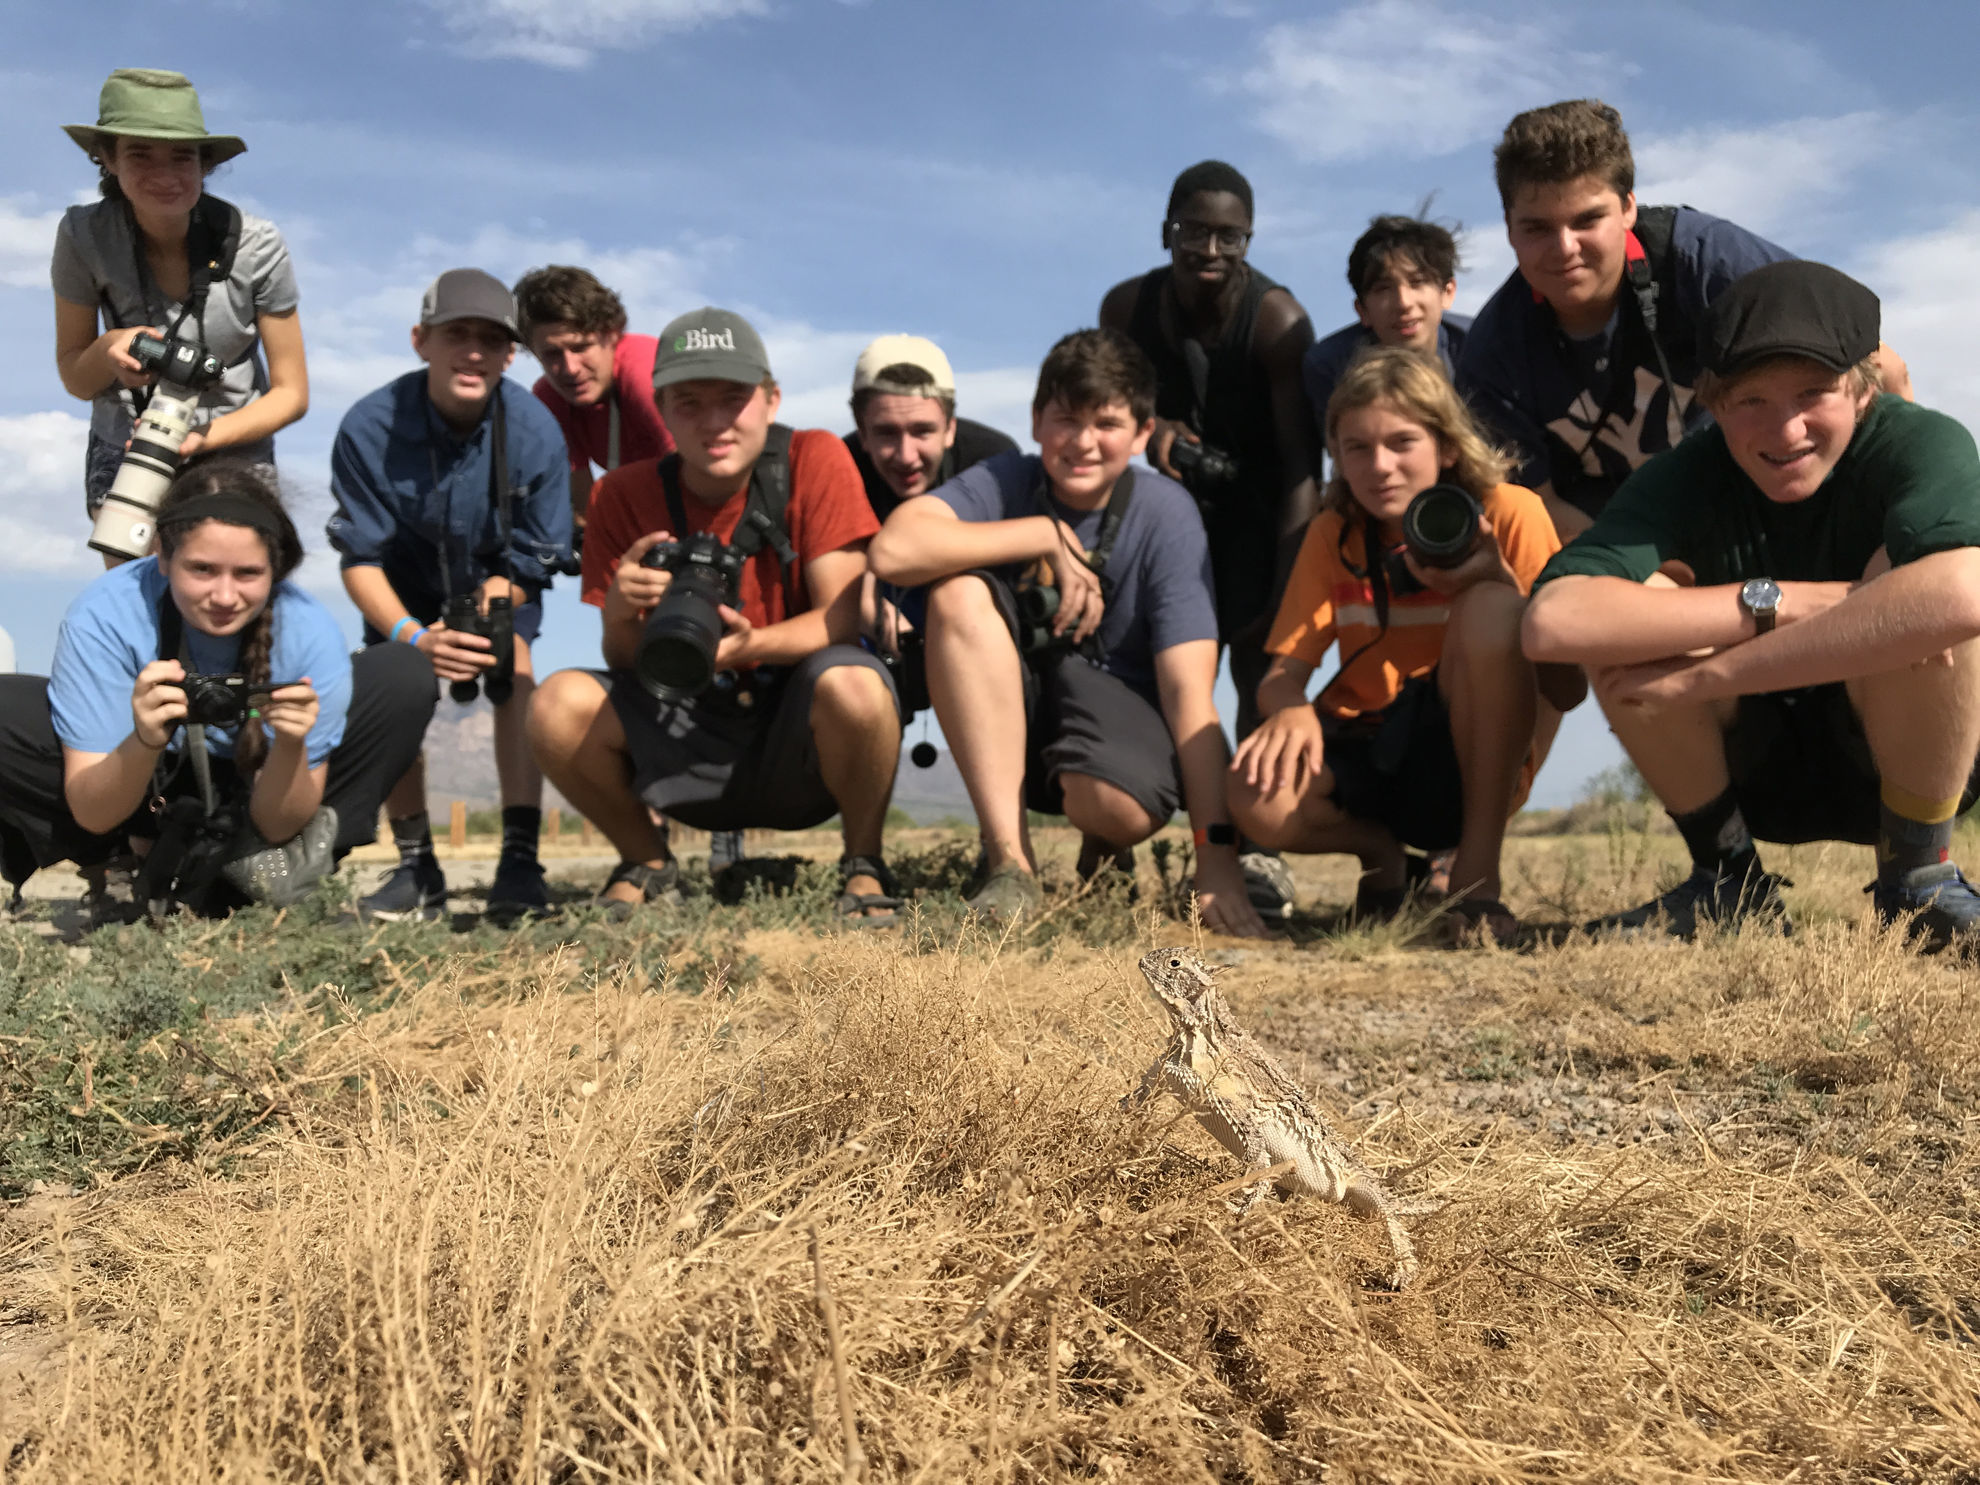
(977, 172)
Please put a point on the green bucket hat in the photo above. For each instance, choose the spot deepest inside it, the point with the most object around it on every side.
(145, 103)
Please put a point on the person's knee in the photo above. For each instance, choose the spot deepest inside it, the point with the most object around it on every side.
(962, 600)
(1485, 619)
(854, 698)
(1106, 810)
(562, 712)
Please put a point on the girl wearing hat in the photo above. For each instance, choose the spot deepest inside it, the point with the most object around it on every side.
(158, 254)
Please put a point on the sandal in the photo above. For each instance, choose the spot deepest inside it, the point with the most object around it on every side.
(1385, 904)
(661, 884)
(856, 908)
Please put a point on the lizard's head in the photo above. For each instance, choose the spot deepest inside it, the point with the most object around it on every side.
(1184, 984)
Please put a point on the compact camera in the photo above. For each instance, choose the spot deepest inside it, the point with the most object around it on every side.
(222, 700)
(128, 518)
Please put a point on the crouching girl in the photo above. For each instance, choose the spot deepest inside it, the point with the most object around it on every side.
(203, 713)
(1425, 736)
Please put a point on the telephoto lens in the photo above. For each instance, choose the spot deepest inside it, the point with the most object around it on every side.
(463, 616)
(676, 656)
(127, 521)
(1440, 528)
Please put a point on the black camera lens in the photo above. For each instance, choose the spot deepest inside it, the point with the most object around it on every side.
(1037, 603)
(1441, 525)
(215, 700)
(676, 656)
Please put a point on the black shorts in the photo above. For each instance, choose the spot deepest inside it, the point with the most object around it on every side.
(720, 762)
(1081, 719)
(1802, 769)
(1399, 768)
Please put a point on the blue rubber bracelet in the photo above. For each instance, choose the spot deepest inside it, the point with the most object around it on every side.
(417, 636)
(408, 619)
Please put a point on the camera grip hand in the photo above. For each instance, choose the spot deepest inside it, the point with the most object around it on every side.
(128, 370)
(291, 710)
(1486, 564)
(456, 656)
(636, 588)
(733, 650)
(1167, 431)
(158, 703)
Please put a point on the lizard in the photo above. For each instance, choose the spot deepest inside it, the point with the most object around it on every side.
(1254, 1109)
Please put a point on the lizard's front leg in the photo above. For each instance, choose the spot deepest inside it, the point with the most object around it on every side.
(1150, 1082)
(1258, 1158)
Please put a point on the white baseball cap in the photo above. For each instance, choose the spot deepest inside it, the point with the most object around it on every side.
(904, 350)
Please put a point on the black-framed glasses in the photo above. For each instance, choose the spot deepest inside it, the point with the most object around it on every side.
(1196, 236)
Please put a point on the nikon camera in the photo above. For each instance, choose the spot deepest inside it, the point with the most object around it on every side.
(676, 656)
(223, 701)
(463, 615)
(128, 518)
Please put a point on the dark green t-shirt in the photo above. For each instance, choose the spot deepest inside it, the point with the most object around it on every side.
(1909, 481)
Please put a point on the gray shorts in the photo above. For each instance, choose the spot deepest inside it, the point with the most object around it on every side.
(734, 760)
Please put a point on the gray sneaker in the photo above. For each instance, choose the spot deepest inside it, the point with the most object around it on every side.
(284, 875)
(1010, 893)
(1268, 883)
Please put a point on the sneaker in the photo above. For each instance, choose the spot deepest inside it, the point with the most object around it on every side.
(1268, 883)
(1010, 893)
(409, 893)
(517, 891)
(725, 849)
(1706, 896)
(1939, 901)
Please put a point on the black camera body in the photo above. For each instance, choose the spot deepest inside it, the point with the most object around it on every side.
(463, 615)
(1202, 465)
(676, 656)
(185, 363)
(221, 700)
(1440, 529)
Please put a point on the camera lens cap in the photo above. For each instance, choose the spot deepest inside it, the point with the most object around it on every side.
(923, 754)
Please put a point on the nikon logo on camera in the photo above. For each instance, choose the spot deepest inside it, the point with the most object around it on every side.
(706, 340)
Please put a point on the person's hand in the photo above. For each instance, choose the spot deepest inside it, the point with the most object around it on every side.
(1283, 751)
(1081, 606)
(192, 443)
(158, 703)
(1167, 431)
(117, 346)
(456, 656)
(634, 587)
(1221, 898)
(1672, 682)
(1486, 564)
(732, 650)
(291, 711)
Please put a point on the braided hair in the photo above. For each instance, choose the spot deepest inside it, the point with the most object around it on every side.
(237, 480)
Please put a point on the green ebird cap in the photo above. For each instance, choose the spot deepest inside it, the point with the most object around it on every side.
(146, 103)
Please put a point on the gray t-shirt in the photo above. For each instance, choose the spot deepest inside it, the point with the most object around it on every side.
(1158, 573)
(96, 263)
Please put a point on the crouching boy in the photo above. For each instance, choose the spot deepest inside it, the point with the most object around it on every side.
(1782, 614)
(1098, 706)
(773, 718)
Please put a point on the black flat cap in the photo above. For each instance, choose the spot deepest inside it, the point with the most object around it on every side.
(1796, 308)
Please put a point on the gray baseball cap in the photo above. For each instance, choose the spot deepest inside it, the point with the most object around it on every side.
(469, 294)
(717, 344)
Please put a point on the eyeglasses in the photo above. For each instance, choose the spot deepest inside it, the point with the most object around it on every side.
(1196, 236)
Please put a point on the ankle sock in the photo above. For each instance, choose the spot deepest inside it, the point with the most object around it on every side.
(1718, 839)
(521, 824)
(414, 838)
(1912, 831)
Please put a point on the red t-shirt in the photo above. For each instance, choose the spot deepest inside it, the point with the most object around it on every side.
(588, 430)
(828, 512)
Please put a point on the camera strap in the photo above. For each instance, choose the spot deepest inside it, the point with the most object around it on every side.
(761, 523)
(213, 238)
(499, 491)
(1376, 572)
(1111, 518)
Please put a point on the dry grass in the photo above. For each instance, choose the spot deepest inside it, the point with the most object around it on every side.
(561, 1226)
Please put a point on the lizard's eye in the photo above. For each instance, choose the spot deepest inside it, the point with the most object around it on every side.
(1175, 964)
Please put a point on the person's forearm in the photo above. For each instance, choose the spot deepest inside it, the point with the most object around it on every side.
(373, 594)
(788, 642)
(1901, 618)
(1613, 621)
(619, 632)
(1281, 689)
(87, 373)
(262, 418)
(287, 791)
(917, 551)
(107, 791)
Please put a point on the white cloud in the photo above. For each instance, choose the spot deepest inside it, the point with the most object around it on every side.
(1403, 78)
(41, 506)
(1930, 313)
(27, 238)
(1769, 178)
(566, 33)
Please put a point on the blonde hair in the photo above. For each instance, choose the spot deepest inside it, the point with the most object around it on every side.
(1415, 386)
(1714, 389)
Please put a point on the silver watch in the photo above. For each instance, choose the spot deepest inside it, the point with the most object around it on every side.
(1761, 597)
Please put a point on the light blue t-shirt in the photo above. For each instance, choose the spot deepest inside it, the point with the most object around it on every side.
(110, 633)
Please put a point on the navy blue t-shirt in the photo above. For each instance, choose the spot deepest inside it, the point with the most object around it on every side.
(1158, 571)
(1541, 391)
(1320, 369)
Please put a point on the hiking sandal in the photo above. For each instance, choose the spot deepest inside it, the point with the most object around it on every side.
(856, 908)
(661, 884)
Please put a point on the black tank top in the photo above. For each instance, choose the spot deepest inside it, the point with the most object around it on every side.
(1235, 412)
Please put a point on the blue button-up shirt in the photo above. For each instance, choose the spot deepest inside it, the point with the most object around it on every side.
(414, 499)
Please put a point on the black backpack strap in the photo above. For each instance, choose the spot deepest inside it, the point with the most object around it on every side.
(762, 524)
(1646, 266)
(670, 486)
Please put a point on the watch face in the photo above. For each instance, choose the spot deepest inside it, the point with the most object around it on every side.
(1760, 595)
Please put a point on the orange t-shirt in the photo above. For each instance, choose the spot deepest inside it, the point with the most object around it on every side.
(827, 513)
(1325, 601)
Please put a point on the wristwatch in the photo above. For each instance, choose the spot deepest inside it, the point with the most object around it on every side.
(1761, 597)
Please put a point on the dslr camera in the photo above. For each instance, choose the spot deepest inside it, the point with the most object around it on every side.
(221, 700)
(463, 615)
(1440, 529)
(128, 518)
(676, 656)
(1203, 466)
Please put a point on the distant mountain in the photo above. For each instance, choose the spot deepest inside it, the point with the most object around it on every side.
(460, 764)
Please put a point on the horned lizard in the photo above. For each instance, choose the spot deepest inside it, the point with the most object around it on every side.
(1254, 1109)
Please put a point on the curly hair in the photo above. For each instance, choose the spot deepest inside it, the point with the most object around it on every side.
(1563, 142)
(1092, 368)
(1208, 177)
(238, 478)
(1397, 240)
(562, 295)
(1415, 386)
